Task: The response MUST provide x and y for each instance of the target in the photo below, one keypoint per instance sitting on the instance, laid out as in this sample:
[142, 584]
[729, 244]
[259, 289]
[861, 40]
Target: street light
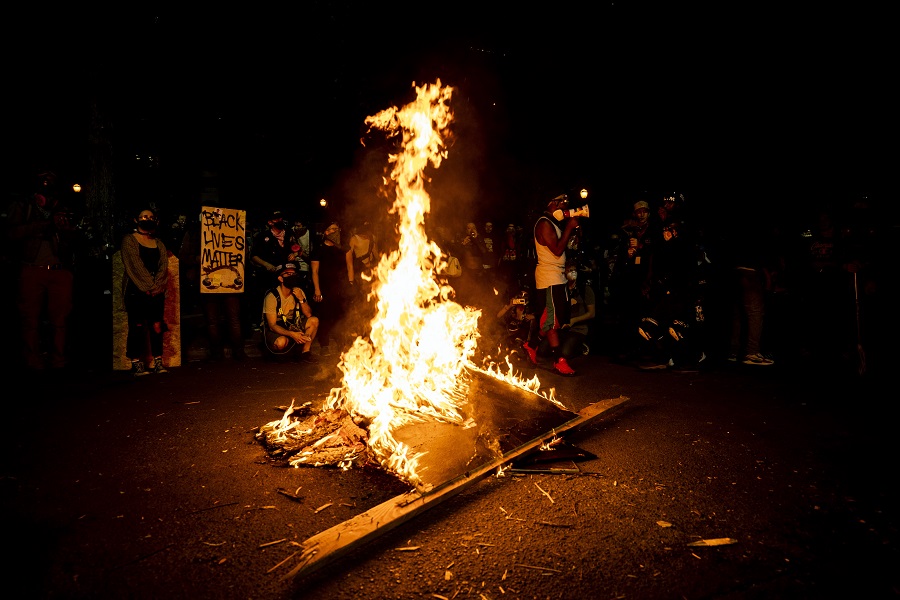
[76, 187]
[583, 193]
[323, 202]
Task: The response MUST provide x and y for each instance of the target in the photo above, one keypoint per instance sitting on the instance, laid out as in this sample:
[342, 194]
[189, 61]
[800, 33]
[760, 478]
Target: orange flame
[414, 366]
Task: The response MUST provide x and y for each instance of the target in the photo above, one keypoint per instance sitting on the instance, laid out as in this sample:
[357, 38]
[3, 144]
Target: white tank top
[550, 269]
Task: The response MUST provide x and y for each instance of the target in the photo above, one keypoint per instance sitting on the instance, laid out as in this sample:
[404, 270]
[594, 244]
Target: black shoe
[138, 369]
[308, 357]
[239, 355]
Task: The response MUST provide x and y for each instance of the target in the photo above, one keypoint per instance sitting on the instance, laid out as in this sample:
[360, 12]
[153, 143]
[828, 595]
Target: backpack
[299, 322]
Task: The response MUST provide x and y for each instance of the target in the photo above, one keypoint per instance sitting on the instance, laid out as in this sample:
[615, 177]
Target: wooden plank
[336, 542]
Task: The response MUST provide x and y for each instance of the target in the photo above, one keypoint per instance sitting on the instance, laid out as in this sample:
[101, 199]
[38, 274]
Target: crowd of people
[666, 287]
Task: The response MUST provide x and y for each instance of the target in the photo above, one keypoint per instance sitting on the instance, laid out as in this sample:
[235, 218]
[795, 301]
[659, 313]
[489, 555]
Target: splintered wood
[315, 439]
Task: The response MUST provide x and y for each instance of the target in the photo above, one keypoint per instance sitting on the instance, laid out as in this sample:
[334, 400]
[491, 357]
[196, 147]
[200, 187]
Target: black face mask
[301, 231]
[278, 226]
[291, 281]
[148, 225]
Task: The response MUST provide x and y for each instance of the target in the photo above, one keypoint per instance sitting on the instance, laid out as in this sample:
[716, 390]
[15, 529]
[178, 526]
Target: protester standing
[331, 283]
[146, 262]
[43, 237]
[551, 295]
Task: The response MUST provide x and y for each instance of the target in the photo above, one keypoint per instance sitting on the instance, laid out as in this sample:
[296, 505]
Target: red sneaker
[530, 353]
[562, 367]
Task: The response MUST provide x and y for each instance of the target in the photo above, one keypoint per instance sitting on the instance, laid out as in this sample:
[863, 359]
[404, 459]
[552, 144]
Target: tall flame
[415, 366]
[412, 367]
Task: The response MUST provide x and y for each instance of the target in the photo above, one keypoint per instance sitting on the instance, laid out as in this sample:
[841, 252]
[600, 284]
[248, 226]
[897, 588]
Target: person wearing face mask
[288, 321]
[271, 247]
[332, 283]
[146, 263]
[301, 248]
[582, 310]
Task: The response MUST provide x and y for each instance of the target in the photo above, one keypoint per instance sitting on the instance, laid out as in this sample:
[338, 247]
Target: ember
[417, 364]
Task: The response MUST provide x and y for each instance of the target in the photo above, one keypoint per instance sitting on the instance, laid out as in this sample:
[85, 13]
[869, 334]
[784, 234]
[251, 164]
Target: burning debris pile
[416, 364]
[307, 438]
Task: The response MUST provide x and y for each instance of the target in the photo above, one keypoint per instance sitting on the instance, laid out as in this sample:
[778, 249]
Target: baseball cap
[641, 204]
[288, 266]
[560, 198]
[275, 215]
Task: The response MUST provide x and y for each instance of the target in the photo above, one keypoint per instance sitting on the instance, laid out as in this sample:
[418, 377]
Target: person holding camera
[513, 321]
[43, 238]
[288, 320]
[474, 254]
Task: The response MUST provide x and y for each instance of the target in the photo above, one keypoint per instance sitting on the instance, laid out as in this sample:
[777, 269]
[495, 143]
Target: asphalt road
[158, 488]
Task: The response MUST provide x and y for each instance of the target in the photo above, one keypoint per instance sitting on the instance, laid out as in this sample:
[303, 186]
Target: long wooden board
[336, 542]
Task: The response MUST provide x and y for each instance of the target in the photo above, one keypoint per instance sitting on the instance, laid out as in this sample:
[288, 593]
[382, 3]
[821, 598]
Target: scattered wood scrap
[341, 539]
[714, 542]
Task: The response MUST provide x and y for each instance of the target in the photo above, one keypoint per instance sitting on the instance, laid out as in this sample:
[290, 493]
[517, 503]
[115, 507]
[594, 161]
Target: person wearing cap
[551, 297]
[269, 248]
[630, 280]
[288, 321]
[272, 247]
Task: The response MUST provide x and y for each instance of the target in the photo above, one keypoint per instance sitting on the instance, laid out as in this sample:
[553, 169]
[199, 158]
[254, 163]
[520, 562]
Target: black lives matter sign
[223, 250]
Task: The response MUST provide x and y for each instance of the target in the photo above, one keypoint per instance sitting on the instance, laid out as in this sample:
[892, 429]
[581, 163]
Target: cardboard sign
[223, 250]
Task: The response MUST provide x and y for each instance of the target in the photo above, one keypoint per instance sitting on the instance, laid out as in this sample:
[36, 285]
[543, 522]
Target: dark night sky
[746, 104]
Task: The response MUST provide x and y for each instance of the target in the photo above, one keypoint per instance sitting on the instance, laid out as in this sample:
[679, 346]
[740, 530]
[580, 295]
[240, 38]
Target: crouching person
[289, 326]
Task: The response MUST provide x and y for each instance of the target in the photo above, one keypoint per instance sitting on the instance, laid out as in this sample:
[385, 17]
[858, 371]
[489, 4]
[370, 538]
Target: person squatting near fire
[146, 263]
[582, 310]
[288, 321]
[551, 297]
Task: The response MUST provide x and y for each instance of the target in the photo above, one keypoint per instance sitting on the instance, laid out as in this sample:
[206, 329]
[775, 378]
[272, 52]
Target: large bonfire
[417, 362]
